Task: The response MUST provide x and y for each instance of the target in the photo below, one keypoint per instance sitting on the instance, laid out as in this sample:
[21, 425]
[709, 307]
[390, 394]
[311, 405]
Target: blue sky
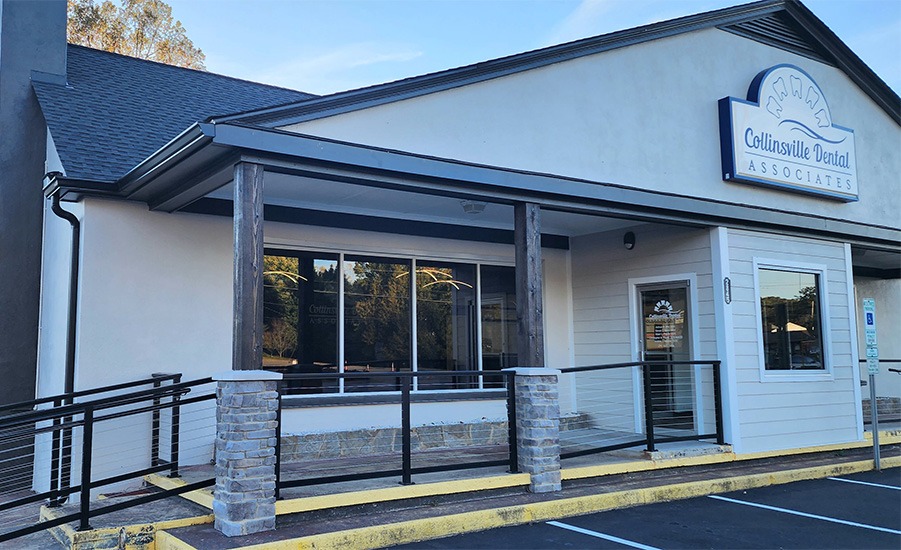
[324, 46]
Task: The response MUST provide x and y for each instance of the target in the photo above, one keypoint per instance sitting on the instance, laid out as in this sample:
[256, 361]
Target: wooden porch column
[530, 322]
[247, 333]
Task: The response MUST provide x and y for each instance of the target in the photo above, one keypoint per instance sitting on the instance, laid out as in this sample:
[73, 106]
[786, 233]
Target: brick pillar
[538, 427]
[244, 498]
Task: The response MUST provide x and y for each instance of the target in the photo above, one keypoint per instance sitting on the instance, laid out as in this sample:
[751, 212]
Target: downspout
[73, 290]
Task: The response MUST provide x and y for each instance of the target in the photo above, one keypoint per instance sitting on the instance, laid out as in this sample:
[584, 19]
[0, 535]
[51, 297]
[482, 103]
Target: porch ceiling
[345, 198]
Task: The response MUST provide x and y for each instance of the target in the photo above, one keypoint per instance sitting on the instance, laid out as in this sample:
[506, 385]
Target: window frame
[821, 271]
[344, 396]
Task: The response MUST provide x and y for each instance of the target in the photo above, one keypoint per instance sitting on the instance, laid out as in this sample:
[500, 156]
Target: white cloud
[336, 70]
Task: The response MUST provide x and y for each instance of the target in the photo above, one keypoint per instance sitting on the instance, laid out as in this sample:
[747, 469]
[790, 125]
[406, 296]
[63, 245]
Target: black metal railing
[84, 410]
[401, 393]
[668, 412]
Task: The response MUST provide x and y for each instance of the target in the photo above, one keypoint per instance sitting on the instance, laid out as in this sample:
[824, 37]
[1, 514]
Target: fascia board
[342, 161]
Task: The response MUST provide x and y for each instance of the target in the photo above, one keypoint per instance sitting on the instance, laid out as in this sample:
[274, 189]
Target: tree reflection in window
[445, 323]
[300, 311]
[790, 311]
[376, 320]
[301, 315]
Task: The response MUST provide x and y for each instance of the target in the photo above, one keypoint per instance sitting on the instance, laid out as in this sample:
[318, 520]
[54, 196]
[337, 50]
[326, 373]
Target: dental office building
[723, 186]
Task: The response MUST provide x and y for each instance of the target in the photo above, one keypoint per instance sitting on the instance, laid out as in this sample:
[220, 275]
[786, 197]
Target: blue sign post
[869, 330]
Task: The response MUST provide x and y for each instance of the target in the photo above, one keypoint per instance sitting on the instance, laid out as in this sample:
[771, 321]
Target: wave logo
[795, 99]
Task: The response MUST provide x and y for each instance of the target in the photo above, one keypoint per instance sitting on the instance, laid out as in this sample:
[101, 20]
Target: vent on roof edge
[780, 30]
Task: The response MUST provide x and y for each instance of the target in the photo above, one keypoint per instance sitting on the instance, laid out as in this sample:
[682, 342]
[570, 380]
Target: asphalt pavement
[848, 512]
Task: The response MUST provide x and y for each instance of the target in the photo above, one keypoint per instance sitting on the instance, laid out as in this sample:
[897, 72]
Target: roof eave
[847, 61]
[183, 145]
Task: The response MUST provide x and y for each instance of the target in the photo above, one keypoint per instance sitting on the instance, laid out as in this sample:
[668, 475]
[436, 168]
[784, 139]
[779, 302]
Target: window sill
[389, 398]
[797, 376]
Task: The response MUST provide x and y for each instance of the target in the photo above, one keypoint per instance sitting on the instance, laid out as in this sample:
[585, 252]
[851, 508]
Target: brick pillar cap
[246, 376]
[533, 371]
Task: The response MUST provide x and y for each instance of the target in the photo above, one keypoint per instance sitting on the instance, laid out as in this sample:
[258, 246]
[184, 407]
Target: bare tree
[139, 28]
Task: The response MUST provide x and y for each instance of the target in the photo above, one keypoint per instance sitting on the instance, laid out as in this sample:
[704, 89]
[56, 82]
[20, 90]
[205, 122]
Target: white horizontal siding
[774, 413]
[601, 269]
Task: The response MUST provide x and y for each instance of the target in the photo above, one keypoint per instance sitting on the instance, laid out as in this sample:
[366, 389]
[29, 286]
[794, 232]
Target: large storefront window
[376, 321]
[499, 327]
[300, 312]
[445, 323]
[303, 314]
[791, 323]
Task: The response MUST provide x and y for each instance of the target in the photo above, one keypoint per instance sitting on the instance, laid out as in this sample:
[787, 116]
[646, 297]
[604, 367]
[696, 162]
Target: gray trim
[286, 152]
[824, 39]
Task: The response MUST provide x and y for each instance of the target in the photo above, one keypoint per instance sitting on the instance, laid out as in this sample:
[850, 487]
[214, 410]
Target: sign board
[664, 328]
[869, 330]
[783, 136]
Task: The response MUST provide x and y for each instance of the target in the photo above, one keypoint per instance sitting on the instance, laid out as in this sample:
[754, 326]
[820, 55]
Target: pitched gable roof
[114, 111]
[785, 24]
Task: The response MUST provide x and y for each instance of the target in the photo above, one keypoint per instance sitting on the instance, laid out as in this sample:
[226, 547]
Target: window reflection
[498, 289]
[301, 316]
[300, 301]
[376, 321]
[445, 329]
[789, 306]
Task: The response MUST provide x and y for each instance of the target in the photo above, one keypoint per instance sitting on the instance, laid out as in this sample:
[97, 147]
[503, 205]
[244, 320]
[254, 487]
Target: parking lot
[855, 511]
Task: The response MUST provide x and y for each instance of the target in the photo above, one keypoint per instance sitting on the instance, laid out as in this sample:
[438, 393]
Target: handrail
[85, 414]
[650, 438]
[638, 364]
[93, 391]
[105, 403]
[405, 388]
[389, 374]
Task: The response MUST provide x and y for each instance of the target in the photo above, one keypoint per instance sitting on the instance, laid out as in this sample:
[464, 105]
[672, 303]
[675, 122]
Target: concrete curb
[379, 536]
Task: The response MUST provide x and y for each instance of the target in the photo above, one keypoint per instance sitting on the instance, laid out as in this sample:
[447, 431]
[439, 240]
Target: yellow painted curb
[308, 504]
[203, 497]
[165, 541]
[429, 528]
[886, 437]
[139, 536]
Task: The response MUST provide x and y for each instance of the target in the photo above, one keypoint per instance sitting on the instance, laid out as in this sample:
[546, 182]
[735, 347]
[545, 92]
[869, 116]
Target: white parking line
[865, 483]
[806, 515]
[595, 534]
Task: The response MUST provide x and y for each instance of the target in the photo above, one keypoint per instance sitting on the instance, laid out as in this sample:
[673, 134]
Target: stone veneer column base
[538, 427]
[244, 497]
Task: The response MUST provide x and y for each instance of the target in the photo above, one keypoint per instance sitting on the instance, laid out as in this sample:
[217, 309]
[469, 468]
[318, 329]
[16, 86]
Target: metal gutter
[190, 140]
[73, 291]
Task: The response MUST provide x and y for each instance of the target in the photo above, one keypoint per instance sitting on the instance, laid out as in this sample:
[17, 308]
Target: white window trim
[823, 293]
[636, 334]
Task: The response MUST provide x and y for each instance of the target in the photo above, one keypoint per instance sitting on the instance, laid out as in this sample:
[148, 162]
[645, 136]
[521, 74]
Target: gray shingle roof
[117, 110]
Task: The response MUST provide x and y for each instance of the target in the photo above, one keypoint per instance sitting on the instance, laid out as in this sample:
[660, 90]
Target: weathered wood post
[537, 399]
[247, 331]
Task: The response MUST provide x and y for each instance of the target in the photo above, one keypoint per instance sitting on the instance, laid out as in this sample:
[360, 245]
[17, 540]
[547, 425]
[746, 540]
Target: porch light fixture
[473, 207]
[629, 240]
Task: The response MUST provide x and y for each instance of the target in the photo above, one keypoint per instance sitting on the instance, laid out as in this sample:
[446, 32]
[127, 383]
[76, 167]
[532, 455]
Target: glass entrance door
[666, 336]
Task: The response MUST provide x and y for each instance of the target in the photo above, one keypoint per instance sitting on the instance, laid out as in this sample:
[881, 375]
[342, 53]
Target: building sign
[663, 329]
[783, 136]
